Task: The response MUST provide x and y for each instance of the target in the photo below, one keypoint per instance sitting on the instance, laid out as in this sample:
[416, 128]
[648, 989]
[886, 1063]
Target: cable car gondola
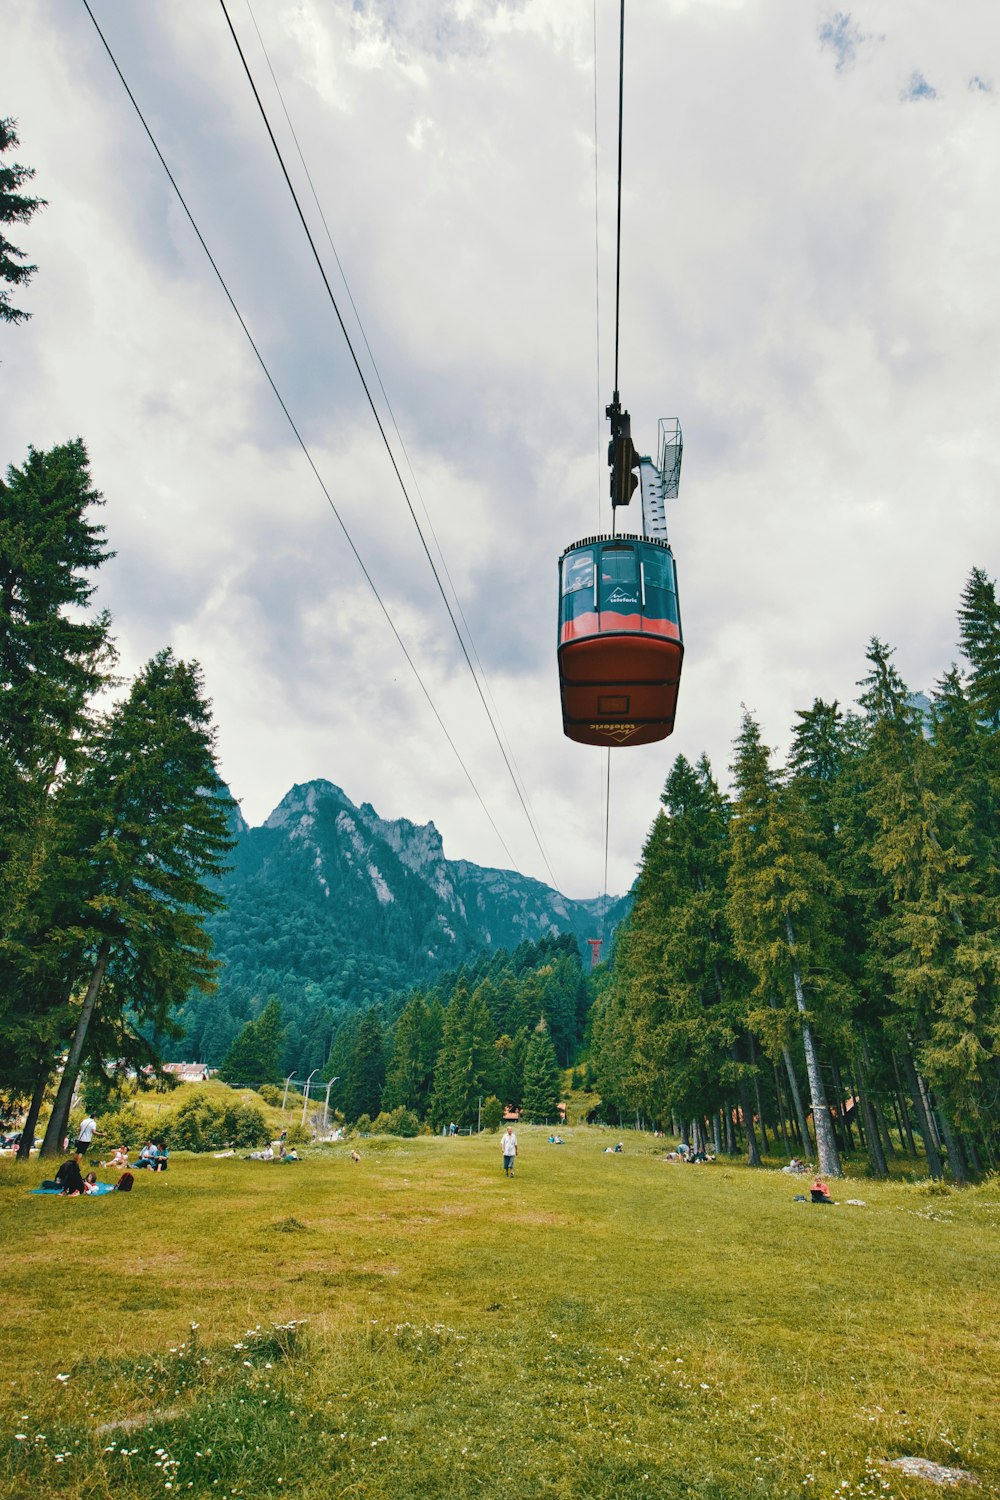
[620, 643]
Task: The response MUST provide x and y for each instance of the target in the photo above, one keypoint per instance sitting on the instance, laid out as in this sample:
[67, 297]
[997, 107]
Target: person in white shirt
[85, 1135]
[508, 1145]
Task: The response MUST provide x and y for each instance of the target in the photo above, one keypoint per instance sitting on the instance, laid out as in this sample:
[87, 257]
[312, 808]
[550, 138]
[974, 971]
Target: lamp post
[284, 1097]
[326, 1101]
[305, 1101]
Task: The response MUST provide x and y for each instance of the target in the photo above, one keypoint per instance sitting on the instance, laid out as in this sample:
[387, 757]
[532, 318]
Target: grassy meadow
[602, 1327]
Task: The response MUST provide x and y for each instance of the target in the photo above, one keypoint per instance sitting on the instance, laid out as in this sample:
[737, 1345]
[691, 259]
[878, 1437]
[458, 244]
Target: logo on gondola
[621, 596]
[617, 732]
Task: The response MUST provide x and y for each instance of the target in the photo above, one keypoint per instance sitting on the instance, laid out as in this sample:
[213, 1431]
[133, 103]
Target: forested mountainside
[331, 909]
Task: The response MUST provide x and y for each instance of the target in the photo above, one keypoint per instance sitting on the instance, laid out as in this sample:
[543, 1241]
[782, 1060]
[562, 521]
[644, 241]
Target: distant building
[186, 1072]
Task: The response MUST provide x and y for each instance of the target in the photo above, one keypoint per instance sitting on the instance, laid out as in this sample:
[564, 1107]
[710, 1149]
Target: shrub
[202, 1123]
[121, 1127]
[492, 1116]
[363, 1125]
[298, 1135]
[400, 1121]
[272, 1094]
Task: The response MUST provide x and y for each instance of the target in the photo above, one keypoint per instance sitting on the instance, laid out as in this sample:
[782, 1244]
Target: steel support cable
[618, 243]
[392, 415]
[597, 283]
[607, 827]
[299, 438]
[382, 432]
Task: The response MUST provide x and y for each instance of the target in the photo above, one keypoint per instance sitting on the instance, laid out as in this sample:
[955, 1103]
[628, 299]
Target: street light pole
[284, 1097]
[326, 1101]
[305, 1101]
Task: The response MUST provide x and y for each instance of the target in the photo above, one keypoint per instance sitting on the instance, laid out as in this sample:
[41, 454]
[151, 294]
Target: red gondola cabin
[620, 643]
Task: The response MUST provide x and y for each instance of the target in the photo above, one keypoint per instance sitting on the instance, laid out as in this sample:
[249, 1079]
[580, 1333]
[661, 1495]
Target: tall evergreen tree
[366, 1078]
[780, 908]
[979, 624]
[154, 821]
[15, 207]
[542, 1078]
[937, 943]
[254, 1058]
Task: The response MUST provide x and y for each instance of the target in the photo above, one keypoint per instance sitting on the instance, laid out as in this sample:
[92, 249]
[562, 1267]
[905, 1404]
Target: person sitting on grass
[161, 1160]
[119, 1160]
[147, 1155]
[819, 1191]
[70, 1179]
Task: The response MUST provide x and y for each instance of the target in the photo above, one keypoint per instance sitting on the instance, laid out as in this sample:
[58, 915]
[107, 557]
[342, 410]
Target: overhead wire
[392, 415]
[299, 438]
[382, 431]
[618, 283]
[597, 282]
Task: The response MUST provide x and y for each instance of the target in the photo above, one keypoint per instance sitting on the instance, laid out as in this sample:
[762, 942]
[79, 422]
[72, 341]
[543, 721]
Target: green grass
[414, 1325]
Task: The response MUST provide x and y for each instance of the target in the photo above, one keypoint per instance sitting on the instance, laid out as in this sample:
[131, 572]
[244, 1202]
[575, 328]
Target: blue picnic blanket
[98, 1192]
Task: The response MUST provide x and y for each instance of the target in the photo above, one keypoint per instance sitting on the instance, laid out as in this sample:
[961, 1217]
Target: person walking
[508, 1145]
[85, 1136]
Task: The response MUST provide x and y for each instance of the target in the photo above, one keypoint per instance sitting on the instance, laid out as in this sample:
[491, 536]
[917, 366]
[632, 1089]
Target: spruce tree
[542, 1078]
[255, 1056]
[780, 909]
[979, 623]
[15, 207]
[366, 1076]
[936, 943]
[153, 822]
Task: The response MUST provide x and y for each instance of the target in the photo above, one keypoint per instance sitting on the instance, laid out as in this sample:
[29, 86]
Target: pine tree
[780, 908]
[366, 1075]
[152, 821]
[542, 1078]
[936, 943]
[15, 207]
[979, 623]
[254, 1058]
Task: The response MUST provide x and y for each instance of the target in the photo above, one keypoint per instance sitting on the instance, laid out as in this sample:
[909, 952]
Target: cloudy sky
[810, 273]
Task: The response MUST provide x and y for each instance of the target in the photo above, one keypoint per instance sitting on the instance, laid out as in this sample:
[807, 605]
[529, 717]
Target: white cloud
[808, 275]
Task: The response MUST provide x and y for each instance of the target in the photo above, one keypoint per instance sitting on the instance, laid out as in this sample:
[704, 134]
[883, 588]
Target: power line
[597, 281]
[382, 432]
[618, 246]
[301, 441]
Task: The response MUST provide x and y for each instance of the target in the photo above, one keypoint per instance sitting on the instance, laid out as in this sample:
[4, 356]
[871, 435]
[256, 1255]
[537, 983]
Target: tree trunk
[716, 1134]
[59, 1118]
[928, 1110]
[34, 1110]
[903, 1115]
[781, 1110]
[730, 1137]
[923, 1122]
[953, 1145]
[753, 1152]
[793, 1084]
[873, 1139]
[756, 1094]
[826, 1145]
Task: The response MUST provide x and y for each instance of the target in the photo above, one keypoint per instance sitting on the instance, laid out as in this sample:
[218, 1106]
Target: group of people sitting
[683, 1152]
[70, 1182]
[154, 1156]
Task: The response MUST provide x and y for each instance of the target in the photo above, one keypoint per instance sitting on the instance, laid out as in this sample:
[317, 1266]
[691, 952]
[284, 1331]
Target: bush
[298, 1135]
[122, 1127]
[400, 1121]
[363, 1125]
[492, 1115]
[272, 1094]
[202, 1123]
